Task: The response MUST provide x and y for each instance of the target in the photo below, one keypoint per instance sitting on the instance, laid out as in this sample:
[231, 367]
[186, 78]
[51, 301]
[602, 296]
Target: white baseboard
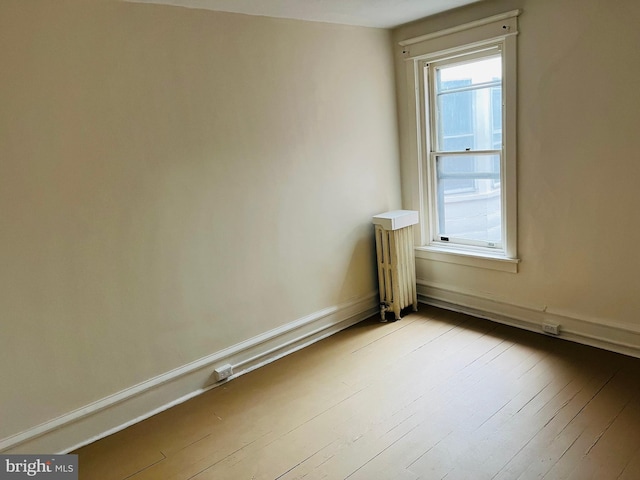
[127, 407]
[599, 333]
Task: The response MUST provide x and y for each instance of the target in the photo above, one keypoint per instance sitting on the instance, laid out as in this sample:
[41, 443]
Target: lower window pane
[469, 197]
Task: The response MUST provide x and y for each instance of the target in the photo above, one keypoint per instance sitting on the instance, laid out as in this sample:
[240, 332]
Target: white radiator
[396, 261]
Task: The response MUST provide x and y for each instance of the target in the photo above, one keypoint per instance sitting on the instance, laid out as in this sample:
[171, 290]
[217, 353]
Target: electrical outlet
[223, 372]
[551, 328]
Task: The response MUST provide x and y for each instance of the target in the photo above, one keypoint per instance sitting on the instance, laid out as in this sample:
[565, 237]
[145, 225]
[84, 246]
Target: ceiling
[368, 13]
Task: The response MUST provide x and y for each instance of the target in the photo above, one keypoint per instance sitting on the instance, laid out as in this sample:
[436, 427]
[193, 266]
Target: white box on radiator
[396, 261]
[396, 219]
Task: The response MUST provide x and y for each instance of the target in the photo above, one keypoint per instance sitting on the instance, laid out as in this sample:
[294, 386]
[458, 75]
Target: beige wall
[578, 168]
[173, 182]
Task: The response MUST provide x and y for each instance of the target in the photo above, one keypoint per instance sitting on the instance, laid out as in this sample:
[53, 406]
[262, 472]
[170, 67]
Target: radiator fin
[396, 270]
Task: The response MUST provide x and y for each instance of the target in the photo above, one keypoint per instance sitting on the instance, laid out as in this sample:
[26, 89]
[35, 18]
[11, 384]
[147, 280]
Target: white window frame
[500, 30]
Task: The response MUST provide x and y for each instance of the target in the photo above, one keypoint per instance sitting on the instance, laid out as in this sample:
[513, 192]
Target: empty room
[197, 250]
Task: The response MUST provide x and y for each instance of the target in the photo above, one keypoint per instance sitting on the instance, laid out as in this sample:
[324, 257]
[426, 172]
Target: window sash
[444, 199]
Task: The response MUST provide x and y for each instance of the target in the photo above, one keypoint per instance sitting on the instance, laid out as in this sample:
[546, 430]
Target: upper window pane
[469, 105]
[472, 73]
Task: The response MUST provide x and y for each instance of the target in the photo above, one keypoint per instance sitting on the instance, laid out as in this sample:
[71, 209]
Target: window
[463, 80]
[464, 97]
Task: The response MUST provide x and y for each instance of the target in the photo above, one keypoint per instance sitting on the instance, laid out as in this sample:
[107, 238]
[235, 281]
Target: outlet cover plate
[551, 328]
[223, 372]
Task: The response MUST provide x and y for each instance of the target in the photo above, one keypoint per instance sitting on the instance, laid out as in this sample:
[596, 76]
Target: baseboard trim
[132, 405]
[594, 332]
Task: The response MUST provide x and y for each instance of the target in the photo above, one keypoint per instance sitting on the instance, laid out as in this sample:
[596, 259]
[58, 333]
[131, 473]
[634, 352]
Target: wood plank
[308, 437]
[608, 456]
[435, 395]
[393, 429]
[504, 444]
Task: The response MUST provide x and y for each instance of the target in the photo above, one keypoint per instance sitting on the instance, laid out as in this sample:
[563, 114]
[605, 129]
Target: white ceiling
[368, 13]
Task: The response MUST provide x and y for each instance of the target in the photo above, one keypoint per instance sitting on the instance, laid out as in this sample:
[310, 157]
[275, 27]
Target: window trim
[500, 29]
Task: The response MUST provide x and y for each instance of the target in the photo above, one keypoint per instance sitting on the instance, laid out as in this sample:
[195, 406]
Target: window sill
[468, 258]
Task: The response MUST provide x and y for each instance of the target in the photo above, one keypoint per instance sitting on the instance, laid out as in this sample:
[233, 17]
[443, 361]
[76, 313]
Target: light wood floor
[436, 395]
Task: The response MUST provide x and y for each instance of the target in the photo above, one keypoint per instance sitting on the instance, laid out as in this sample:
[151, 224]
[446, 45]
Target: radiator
[396, 261]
